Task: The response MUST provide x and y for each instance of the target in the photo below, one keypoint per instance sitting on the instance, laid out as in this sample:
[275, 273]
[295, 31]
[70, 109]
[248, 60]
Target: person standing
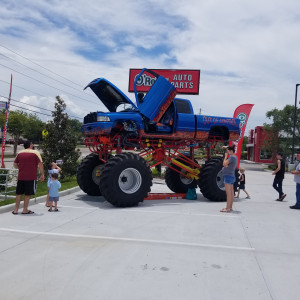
[52, 168]
[229, 166]
[279, 176]
[242, 184]
[27, 161]
[54, 187]
[297, 180]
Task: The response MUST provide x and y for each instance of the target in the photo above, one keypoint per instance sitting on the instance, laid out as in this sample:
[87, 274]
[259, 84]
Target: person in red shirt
[27, 161]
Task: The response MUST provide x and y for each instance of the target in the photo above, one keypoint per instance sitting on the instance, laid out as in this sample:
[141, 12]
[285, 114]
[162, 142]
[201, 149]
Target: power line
[81, 91]
[24, 89]
[40, 65]
[37, 112]
[31, 110]
[29, 104]
[35, 107]
[45, 83]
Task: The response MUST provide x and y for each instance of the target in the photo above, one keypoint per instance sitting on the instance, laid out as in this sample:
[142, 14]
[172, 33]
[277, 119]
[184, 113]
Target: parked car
[21, 141]
[7, 141]
[10, 141]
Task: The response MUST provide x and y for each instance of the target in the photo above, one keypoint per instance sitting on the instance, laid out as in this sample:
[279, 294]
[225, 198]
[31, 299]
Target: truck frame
[166, 132]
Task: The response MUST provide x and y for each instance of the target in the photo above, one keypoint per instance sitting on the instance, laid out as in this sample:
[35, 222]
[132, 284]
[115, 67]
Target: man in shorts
[27, 162]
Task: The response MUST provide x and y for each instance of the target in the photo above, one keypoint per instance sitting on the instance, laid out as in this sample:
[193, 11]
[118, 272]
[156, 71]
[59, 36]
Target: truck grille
[90, 118]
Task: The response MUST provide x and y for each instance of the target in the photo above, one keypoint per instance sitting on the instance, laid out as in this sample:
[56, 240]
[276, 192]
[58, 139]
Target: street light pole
[295, 117]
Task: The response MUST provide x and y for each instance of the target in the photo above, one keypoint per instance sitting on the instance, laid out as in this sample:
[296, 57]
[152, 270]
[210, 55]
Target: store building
[255, 151]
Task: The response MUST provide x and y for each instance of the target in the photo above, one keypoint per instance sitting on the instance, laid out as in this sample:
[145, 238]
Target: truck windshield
[182, 106]
[125, 107]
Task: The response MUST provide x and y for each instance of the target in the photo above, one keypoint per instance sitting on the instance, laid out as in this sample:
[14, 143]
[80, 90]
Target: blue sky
[247, 51]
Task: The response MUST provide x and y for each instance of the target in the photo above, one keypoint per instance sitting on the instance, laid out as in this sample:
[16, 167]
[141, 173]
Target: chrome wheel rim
[96, 174]
[220, 181]
[130, 180]
[185, 180]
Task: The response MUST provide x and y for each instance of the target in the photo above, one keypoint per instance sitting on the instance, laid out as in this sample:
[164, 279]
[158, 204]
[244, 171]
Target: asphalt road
[9, 150]
[162, 249]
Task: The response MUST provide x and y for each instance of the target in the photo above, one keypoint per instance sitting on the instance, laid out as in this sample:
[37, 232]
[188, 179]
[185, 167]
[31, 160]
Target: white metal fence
[8, 178]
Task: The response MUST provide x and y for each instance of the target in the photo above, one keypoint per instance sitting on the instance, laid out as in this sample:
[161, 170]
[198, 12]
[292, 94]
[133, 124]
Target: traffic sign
[3, 105]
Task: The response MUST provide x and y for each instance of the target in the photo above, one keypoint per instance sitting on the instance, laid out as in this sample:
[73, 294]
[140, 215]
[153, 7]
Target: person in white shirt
[297, 180]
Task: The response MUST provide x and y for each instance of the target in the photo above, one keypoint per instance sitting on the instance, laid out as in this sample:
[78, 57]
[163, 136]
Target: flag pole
[5, 124]
[242, 112]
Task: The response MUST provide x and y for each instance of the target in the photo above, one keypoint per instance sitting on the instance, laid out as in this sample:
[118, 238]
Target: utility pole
[295, 117]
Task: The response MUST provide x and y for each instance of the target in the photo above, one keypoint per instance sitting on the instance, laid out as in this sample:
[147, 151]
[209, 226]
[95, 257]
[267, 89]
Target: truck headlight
[103, 119]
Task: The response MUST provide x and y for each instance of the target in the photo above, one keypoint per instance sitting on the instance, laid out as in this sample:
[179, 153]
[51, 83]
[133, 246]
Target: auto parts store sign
[185, 81]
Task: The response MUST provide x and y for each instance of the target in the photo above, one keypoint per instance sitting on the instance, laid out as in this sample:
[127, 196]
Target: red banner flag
[242, 112]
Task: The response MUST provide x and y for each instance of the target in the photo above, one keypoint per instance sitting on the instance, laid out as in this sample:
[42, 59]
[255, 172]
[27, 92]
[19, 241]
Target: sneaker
[282, 197]
[295, 207]
[248, 197]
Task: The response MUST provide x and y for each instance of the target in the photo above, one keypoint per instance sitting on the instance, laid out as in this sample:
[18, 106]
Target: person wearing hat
[297, 180]
[279, 176]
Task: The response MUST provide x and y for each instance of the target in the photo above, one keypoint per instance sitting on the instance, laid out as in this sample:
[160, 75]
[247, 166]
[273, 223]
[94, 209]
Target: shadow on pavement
[100, 202]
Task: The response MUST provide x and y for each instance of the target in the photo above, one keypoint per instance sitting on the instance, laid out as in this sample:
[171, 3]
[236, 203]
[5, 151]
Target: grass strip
[42, 189]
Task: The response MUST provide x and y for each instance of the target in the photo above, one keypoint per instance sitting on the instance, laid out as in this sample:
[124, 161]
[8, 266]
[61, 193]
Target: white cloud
[247, 51]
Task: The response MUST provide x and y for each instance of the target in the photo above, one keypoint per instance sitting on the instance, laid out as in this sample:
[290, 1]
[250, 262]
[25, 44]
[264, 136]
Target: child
[242, 184]
[237, 182]
[52, 168]
[54, 186]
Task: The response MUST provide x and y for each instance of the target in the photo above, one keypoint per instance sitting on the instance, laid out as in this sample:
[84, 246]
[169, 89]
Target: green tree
[33, 128]
[245, 142]
[60, 142]
[281, 129]
[283, 120]
[76, 128]
[271, 140]
[21, 124]
[16, 124]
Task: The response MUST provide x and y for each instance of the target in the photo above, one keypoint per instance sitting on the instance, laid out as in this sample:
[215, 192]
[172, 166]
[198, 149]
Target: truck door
[186, 124]
[158, 98]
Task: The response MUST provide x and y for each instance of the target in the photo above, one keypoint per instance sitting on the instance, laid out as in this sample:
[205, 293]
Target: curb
[10, 207]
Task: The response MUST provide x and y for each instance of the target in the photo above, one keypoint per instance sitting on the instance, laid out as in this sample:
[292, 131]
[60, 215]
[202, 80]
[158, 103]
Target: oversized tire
[211, 180]
[177, 182]
[88, 174]
[215, 158]
[125, 180]
[237, 180]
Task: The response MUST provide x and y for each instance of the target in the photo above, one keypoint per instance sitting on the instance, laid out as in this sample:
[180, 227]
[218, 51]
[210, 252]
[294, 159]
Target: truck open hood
[153, 105]
[109, 94]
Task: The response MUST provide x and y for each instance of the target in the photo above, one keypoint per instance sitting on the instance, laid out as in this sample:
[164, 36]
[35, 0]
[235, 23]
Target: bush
[244, 155]
[272, 167]
[157, 174]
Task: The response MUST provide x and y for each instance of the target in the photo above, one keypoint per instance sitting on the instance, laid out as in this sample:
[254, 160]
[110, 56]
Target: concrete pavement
[162, 249]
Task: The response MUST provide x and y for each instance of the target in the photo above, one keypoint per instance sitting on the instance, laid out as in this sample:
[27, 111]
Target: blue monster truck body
[168, 119]
[161, 126]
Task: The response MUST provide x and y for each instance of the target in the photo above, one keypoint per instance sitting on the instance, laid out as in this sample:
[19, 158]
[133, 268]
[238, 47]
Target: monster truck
[162, 127]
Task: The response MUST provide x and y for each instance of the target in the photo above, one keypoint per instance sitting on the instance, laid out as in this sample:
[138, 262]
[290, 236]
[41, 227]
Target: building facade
[255, 151]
